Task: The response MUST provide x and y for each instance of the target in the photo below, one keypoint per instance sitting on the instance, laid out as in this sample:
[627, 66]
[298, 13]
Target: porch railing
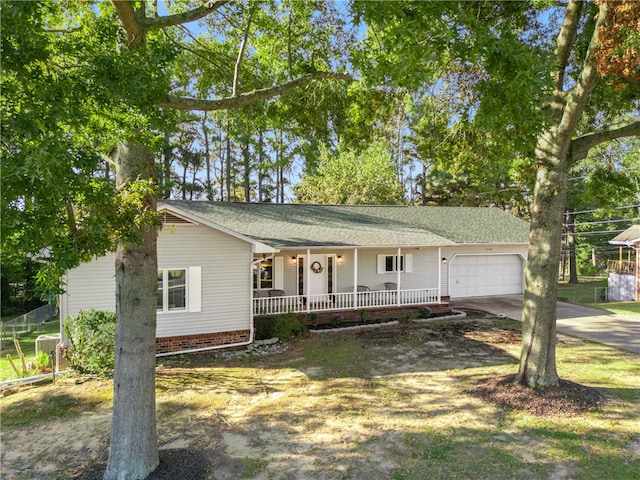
[621, 266]
[343, 301]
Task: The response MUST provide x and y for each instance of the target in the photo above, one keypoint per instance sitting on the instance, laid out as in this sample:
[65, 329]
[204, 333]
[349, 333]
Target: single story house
[223, 265]
[623, 275]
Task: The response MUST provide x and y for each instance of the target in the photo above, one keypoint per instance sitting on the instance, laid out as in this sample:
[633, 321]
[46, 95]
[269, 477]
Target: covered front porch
[340, 280]
[370, 299]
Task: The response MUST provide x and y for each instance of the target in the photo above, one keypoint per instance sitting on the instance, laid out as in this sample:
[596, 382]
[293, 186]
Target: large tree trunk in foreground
[538, 359]
[133, 451]
[554, 155]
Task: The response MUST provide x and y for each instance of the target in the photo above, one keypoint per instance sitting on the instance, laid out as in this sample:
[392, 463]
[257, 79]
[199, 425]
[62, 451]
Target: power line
[599, 210]
[601, 232]
[602, 221]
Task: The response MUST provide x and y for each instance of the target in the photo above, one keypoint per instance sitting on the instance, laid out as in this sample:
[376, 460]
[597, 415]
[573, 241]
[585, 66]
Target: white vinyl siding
[218, 282]
[90, 285]
[222, 264]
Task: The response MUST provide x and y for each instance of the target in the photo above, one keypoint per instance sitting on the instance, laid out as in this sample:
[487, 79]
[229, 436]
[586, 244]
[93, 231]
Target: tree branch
[580, 146]
[184, 17]
[129, 21]
[184, 103]
[243, 46]
[576, 99]
[63, 30]
[566, 39]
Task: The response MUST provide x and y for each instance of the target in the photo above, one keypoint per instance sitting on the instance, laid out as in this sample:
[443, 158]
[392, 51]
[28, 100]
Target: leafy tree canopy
[350, 177]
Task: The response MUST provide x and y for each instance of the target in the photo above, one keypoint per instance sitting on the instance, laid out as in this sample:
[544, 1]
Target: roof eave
[626, 243]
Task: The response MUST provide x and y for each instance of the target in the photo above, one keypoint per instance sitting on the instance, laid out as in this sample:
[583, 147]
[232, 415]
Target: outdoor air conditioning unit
[47, 343]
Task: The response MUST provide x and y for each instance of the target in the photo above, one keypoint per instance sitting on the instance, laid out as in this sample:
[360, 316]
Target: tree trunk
[247, 171]
[165, 170]
[259, 167]
[184, 176]
[228, 165]
[133, 450]
[221, 157]
[538, 359]
[553, 152]
[571, 245]
[207, 157]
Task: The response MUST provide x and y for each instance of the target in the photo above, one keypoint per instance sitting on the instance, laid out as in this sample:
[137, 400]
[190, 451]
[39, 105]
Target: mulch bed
[568, 399]
[183, 463]
[365, 323]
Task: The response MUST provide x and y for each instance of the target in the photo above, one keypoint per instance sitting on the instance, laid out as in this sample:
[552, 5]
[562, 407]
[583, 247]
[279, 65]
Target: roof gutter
[626, 243]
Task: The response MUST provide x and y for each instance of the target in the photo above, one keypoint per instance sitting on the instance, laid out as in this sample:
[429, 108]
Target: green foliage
[68, 96]
[600, 185]
[351, 177]
[285, 327]
[42, 361]
[92, 336]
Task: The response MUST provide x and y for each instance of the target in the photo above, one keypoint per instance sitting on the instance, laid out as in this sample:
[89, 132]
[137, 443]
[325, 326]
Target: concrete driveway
[622, 331]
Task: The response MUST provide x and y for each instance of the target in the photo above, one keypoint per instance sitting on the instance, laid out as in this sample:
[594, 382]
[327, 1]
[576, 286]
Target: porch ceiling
[300, 225]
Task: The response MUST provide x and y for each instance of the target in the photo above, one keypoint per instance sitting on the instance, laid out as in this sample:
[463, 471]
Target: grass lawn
[28, 345]
[389, 403]
[623, 308]
[589, 290]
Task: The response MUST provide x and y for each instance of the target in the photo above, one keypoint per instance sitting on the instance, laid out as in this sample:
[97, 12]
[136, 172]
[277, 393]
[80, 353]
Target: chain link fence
[26, 323]
[583, 294]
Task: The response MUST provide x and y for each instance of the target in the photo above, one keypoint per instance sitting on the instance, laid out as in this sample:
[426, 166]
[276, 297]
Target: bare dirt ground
[329, 406]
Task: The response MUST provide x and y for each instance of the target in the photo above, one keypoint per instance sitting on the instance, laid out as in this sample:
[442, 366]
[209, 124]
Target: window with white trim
[179, 289]
[263, 273]
[394, 263]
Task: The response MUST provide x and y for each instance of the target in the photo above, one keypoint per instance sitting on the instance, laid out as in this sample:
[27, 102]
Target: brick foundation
[391, 313]
[202, 340]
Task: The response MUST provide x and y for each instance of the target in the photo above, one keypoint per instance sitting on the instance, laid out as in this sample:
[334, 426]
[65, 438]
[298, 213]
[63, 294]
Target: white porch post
[307, 277]
[398, 273]
[439, 274]
[637, 251]
[355, 277]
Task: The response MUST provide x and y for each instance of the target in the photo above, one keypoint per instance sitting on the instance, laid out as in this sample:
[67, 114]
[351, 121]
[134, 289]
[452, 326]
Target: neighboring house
[222, 265]
[623, 275]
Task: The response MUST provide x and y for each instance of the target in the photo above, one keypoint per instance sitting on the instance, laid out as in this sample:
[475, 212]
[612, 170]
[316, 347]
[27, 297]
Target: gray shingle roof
[303, 225]
[630, 236]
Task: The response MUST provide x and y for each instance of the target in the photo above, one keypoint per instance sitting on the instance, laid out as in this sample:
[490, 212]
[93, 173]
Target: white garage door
[485, 275]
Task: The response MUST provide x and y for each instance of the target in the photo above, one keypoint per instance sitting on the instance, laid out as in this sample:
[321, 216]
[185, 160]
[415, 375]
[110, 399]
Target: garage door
[484, 275]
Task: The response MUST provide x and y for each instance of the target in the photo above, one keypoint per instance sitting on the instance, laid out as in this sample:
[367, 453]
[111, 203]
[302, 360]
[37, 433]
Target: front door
[317, 275]
[321, 274]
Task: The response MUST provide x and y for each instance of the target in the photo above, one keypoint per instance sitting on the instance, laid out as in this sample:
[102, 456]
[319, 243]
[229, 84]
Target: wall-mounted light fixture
[294, 260]
[339, 259]
[444, 261]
